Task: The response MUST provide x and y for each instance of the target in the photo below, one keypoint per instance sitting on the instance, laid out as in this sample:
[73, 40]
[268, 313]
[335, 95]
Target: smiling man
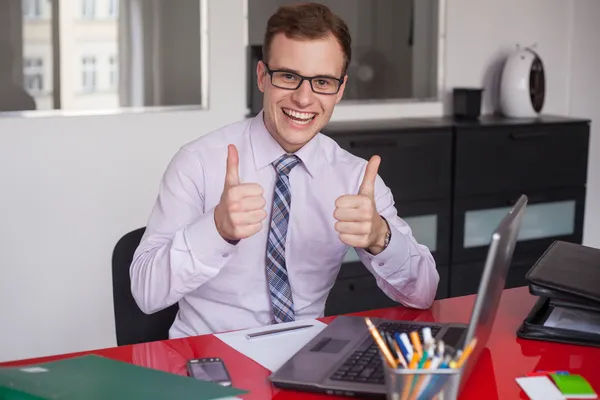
[253, 220]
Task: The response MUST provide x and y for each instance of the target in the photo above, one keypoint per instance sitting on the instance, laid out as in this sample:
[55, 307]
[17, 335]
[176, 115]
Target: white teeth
[305, 117]
[303, 122]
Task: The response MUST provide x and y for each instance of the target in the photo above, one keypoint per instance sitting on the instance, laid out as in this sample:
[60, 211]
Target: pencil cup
[421, 384]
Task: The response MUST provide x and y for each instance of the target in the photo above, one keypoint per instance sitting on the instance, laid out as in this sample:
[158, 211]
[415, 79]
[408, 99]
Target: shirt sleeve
[405, 270]
[181, 247]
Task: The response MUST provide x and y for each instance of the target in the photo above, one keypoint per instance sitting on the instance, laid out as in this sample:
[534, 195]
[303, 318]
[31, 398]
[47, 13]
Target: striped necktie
[279, 286]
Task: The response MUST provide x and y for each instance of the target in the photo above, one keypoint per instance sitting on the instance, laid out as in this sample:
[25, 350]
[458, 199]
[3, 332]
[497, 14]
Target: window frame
[349, 110]
[224, 42]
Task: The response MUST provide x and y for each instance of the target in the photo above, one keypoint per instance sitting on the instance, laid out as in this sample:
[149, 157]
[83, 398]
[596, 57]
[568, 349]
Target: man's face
[294, 117]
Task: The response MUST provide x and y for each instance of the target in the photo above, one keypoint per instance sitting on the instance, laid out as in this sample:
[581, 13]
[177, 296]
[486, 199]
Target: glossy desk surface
[505, 358]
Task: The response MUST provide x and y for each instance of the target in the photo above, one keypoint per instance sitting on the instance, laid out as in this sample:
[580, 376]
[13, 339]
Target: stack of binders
[567, 280]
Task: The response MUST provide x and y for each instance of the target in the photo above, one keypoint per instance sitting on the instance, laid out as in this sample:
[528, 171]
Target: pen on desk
[427, 336]
[446, 361]
[387, 338]
[381, 343]
[414, 361]
[441, 348]
[466, 352]
[280, 330]
[423, 359]
[416, 343]
[428, 353]
[405, 345]
[398, 352]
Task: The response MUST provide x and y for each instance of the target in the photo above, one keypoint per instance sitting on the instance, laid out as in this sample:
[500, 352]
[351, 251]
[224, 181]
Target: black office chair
[132, 325]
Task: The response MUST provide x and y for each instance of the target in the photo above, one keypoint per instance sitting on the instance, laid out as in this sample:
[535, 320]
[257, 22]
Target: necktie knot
[284, 164]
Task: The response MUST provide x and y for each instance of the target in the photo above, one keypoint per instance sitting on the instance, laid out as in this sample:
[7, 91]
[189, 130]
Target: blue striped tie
[279, 286]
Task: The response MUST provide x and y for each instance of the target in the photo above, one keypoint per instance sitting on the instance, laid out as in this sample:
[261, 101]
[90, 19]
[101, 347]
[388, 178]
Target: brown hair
[308, 21]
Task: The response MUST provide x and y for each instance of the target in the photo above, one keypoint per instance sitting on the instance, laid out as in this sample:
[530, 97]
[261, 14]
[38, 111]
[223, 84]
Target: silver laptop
[343, 359]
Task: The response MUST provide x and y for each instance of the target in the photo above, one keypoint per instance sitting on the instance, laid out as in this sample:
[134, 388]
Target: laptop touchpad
[329, 345]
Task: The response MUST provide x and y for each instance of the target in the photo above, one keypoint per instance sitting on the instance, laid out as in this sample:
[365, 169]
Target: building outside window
[32, 8]
[113, 8]
[88, 9]
[33, 75]
[113, 72]
[88, 73]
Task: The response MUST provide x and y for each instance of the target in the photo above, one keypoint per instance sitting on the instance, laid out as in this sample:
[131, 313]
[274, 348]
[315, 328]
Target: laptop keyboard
[364, 365]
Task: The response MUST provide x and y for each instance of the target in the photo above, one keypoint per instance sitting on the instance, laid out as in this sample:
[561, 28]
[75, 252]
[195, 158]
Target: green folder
[93, 377]
[574, 386]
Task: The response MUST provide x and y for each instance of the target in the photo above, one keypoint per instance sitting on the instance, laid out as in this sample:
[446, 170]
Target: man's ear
[340, 92]
[261, 76]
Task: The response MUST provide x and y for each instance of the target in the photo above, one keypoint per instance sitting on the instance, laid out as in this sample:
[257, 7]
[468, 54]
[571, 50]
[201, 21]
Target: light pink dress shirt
[220, 286]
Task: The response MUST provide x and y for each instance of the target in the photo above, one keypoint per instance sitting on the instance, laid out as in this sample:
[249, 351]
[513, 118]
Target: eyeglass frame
[305, 78]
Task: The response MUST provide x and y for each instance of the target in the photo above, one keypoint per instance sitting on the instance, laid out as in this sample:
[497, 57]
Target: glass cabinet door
[542, 220]
[424, 229]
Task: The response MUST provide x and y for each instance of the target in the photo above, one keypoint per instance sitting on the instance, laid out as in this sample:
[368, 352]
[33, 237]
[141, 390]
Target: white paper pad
[540, 388]
[272, 351]
[574, 319]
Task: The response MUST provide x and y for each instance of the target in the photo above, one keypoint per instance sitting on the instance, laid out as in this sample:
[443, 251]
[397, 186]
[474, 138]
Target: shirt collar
[266, 149]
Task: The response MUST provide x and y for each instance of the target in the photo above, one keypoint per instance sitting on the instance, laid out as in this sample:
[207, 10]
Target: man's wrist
[383, 239]
[218, 226]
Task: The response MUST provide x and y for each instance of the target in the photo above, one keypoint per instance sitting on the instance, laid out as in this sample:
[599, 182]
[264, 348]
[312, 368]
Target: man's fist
[358, 222]
[240, 211]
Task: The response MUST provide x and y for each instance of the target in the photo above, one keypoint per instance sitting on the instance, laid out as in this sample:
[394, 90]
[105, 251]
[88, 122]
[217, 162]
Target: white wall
[71, 187]
[481, 33]
[584, 101]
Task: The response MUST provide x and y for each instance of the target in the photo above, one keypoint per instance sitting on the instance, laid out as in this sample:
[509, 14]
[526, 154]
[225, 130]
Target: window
[113, 8]
[108, 54]
[88, 73]
[32, 8]
[394, 45]
[113, 72]
[88, 9]
[33, 74]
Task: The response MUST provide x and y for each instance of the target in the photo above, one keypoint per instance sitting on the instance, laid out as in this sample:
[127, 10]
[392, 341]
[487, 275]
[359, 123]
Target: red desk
[505, 358]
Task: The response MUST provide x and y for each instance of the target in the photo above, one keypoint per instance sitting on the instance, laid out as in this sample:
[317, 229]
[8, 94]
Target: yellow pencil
[379, 340]
[466, 352]
[416, 342]
[414, 361]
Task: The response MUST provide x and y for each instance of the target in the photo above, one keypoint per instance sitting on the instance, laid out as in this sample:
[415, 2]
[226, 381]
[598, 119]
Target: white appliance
[522, 85]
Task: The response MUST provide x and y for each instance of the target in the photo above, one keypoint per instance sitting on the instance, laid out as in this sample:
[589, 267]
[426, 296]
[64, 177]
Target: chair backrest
[132, 325]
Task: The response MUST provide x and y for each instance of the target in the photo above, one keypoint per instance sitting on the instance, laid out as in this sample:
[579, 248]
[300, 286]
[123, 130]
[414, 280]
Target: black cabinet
[550, 215]
[415, 160]
[499, 157]
[496, 160]
[453, 181]
[403, 153]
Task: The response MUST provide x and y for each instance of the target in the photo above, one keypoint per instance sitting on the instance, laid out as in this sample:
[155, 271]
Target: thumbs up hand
[358, 222]
[240, 211]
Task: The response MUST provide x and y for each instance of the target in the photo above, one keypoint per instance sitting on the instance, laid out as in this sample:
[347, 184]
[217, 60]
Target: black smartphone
[211, 369]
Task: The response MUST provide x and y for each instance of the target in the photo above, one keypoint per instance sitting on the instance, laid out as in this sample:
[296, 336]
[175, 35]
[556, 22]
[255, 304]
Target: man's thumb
[232, 176]
[367, 187]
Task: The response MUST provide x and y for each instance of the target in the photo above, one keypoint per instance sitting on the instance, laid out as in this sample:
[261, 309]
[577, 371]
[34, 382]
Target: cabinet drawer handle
[373, 143]
[528, 135]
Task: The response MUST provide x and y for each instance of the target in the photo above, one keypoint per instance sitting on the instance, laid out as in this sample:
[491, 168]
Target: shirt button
[225, 255]
[381, 264]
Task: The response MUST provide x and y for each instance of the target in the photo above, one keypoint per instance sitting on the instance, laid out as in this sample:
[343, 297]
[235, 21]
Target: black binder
[567, 280]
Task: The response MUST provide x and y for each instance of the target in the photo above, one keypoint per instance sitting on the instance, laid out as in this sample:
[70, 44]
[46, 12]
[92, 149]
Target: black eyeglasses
[288, 80]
